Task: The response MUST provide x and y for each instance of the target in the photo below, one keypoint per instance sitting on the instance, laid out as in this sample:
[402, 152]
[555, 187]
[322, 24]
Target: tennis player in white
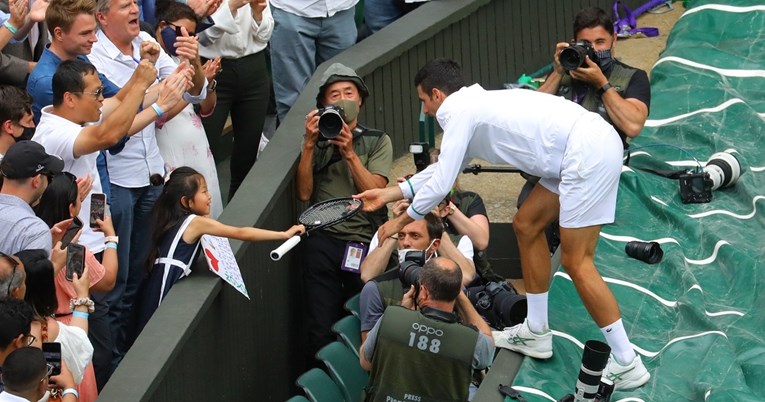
[578, 156]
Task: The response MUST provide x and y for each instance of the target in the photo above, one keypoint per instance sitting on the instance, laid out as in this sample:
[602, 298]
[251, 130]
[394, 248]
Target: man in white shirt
[307, 33]
[578, 156]
[136, 173]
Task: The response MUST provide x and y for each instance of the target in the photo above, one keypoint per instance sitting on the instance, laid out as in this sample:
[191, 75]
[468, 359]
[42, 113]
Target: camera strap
[439, 315]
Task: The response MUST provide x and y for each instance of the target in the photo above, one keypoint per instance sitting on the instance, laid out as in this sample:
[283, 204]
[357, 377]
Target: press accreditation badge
[354, 255]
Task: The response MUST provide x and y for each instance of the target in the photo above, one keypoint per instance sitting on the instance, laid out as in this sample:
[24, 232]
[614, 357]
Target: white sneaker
[627, 376]
[520, 339]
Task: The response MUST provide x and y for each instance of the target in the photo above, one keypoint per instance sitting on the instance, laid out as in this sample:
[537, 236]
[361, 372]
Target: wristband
[157, 109]
[10, 27]
[111, 245]
[80, 314]
[70, 391]
[111, 239]
[604, 88]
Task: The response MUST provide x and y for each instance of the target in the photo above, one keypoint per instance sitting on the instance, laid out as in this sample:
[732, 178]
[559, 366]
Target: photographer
[384, 289]
[422, 349]
[619, 93]
[355, 158]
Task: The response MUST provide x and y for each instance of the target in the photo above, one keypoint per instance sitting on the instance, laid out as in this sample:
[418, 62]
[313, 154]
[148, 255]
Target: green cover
[697, 318]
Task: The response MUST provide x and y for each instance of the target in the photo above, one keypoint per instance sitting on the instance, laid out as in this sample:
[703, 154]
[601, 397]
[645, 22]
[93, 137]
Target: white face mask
[403, 251]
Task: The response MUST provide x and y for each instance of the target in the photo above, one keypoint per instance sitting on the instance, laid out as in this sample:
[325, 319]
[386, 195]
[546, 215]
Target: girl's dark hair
[169, 211]
[41, 288]
[171, 11]
[60, 194]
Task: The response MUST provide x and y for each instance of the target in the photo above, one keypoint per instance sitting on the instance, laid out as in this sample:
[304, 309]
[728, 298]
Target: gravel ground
[499, 190]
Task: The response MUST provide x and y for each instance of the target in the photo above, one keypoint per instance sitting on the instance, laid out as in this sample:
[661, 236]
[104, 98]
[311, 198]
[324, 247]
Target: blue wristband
[10, 27]
[157, 109]
[70, 391]
[111, 245]
[80, 314]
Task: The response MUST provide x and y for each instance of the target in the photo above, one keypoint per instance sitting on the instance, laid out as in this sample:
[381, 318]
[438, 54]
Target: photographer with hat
[355, 158]
[427, 348]
[26, 170]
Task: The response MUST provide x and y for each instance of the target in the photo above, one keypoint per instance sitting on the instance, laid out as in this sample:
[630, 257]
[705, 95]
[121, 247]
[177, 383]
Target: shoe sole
[624, 385]
[526, 352]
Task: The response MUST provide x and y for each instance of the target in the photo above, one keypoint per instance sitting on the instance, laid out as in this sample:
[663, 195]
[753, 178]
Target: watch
[604, 88]
[212, 86]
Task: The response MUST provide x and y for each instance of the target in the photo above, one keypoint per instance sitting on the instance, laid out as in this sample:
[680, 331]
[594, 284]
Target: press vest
[390, 287]
[619, 78]
[421, 356]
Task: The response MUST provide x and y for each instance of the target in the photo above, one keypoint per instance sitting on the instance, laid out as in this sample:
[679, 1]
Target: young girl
[180, 219]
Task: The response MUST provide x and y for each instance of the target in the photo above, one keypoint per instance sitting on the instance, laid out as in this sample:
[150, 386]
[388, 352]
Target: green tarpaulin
[697, 317]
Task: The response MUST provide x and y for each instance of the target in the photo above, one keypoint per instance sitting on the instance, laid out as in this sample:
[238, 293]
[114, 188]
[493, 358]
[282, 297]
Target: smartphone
[52, 353]
[97, 206]
[71, 232]
[75, 261]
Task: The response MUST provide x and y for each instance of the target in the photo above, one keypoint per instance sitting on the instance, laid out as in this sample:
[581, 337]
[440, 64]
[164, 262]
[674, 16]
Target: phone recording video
[52, 353]
[75, 261]
[71, 231]
[97, 207]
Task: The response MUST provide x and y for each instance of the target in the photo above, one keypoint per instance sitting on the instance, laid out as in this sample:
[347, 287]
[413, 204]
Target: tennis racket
[320, 215]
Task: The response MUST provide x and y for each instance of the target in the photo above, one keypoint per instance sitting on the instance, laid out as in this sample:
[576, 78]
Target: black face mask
[28, 133]
[605, 60]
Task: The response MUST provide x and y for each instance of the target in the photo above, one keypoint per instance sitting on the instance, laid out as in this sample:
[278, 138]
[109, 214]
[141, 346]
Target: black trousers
[100, 336]
[327, 287]
[244, 89]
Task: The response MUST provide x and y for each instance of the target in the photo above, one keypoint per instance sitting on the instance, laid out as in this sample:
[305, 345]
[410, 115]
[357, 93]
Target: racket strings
[329, 211]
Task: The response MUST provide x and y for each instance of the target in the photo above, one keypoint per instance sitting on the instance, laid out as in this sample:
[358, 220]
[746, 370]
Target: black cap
[26, 159]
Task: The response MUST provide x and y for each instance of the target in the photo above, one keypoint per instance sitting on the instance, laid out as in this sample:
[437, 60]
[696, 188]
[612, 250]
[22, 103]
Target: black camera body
[695, 188]
[574, 56]
[409, 270]
[330, 121]
[498, 303]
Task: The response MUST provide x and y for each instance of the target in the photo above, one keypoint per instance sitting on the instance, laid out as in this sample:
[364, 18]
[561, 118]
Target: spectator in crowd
[27, 377]
[61, 201]
[181, 218]
[379, 13]
[307, 33]
[579, 185]
[24, 23]
[384, 289]
[436, 364]
[357, 158]
[136, 173]
[15, 327]
[26, 170]
[182, 140]
[617, 92]
[15, 117]
[76, 349]
[239, 37]
[12, 277]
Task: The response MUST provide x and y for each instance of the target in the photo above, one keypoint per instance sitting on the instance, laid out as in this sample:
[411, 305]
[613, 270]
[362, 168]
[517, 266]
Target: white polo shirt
[132, 167]
[57, 135]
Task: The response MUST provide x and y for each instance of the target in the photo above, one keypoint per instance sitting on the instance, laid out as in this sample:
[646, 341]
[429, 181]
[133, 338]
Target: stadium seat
[349, 330]
[319, 387]
[344, 367]
[352, 305]
[298, 398]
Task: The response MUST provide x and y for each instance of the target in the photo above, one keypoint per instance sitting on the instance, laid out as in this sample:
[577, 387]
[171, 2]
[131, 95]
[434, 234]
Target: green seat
[348, 329]
[344, 367]
[298, 398]
[353, 306]
[319, 387]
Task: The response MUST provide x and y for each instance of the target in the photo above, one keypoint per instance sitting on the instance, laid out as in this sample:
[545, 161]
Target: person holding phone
[182, 140]
[28, 377]
[76, 349]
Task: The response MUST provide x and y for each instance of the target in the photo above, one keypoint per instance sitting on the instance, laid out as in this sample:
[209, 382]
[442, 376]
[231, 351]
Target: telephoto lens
[723, 169]
[330, 121]
[594, 360]
[649, 252]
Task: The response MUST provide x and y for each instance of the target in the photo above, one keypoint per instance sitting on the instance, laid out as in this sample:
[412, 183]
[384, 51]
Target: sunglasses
[14, 264]
[97, 94]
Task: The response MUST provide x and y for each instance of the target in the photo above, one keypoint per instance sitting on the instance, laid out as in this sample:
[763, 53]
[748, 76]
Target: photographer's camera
[331, 121]
[574, 56]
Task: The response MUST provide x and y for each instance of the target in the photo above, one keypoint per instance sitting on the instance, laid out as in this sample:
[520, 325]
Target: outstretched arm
[203, 225]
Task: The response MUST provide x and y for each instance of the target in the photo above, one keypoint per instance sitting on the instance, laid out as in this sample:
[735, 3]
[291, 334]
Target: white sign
[220, 259]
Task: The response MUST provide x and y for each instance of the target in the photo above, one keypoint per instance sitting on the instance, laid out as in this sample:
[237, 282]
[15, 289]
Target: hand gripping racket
[320, 215]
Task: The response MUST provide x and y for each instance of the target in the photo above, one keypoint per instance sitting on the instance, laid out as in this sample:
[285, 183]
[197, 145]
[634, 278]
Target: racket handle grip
[279, 252]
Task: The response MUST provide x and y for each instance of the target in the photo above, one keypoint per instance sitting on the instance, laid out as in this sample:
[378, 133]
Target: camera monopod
[590, 386]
